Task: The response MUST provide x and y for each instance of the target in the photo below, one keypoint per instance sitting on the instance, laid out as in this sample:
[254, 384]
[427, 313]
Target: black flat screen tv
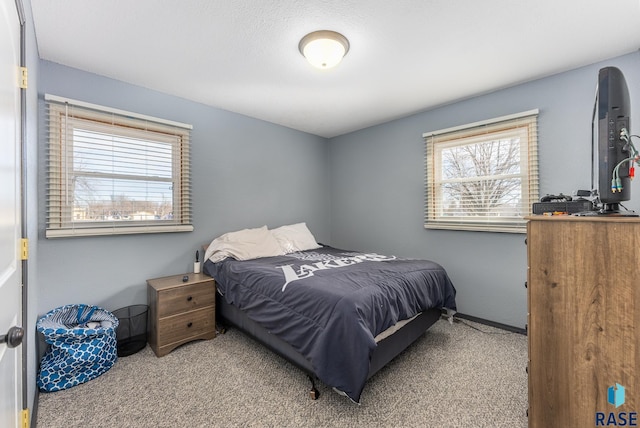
[613, 120]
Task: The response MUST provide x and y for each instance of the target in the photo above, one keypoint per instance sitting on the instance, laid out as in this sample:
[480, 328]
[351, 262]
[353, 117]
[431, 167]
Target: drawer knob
[189, 299]
[190, 324]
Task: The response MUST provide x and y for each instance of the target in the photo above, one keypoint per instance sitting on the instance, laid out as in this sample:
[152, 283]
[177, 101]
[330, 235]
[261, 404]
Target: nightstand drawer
[181, 299]
[186, 327]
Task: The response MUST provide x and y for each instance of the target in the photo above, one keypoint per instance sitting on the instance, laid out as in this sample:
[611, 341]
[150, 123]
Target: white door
[10, 262]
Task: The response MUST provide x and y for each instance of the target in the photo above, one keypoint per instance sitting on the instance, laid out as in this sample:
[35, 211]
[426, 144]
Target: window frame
[132, 131]
[477, 133]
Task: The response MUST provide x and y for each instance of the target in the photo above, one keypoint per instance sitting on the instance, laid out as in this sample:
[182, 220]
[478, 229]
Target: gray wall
[377, 185]
[245, 173]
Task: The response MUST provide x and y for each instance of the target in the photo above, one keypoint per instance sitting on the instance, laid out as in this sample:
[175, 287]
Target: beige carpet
[453, 376]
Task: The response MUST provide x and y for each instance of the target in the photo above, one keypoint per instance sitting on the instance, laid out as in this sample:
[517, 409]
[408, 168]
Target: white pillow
[244, 244]
[295, 237]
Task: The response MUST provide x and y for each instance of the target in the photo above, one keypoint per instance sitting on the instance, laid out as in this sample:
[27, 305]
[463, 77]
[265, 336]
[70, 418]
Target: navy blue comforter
[329, 304]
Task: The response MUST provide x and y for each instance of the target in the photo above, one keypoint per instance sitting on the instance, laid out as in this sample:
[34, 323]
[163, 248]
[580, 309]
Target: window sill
[107, 231]
[474, 227]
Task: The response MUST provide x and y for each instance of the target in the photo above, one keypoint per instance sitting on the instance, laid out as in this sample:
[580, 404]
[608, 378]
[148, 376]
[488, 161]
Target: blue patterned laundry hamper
[82, 343]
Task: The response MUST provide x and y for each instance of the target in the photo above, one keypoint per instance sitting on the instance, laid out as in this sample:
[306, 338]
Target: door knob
[13, 337]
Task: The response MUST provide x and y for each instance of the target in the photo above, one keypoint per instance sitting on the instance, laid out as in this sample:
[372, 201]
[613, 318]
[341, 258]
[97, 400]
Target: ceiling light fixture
[324, 49]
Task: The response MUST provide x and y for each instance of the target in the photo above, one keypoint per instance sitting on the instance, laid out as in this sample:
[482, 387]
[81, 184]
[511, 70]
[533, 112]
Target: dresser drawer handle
[189, 299]
[189, 325]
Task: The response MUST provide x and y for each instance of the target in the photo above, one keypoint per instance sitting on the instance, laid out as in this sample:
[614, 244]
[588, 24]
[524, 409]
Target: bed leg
[220, 328]
[314, 394]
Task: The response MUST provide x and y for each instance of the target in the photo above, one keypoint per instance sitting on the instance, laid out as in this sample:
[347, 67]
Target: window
[114, 172]
[482, 176]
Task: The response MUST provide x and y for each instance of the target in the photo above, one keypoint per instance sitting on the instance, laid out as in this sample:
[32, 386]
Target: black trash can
[131, 334]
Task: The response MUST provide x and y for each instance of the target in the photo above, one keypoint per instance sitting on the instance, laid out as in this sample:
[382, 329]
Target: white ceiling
[406, 56]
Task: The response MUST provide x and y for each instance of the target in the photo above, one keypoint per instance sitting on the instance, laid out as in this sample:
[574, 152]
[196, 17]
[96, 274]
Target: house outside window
[482, 176]
[114, 172]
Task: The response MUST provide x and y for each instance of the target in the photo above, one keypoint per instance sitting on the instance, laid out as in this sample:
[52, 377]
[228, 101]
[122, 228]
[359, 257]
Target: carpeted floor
[453, 376]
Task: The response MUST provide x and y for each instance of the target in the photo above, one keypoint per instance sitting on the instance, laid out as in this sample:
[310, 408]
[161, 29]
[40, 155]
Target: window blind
[482, 176]
[115, 172]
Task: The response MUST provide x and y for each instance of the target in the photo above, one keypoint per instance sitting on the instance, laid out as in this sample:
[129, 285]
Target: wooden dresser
[584, 315]
[180, 311]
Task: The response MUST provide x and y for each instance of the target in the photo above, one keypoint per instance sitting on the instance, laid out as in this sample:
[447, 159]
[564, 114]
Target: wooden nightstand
[180, 311]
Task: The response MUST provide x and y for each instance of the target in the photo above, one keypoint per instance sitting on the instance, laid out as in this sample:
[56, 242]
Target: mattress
[330, 304]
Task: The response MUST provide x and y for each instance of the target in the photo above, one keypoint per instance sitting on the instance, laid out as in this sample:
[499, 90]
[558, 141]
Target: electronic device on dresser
[615, 151]
[561, 204]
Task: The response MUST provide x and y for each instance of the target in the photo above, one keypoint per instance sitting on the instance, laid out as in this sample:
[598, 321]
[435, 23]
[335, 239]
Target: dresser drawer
[186, 327]
[182, 299]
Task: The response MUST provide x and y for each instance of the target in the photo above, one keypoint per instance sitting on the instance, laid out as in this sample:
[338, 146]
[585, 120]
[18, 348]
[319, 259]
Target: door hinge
[24, 249]
[24, 78]
[24, 418]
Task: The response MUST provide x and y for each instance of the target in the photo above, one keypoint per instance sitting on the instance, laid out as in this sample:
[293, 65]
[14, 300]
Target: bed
[339, 315]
